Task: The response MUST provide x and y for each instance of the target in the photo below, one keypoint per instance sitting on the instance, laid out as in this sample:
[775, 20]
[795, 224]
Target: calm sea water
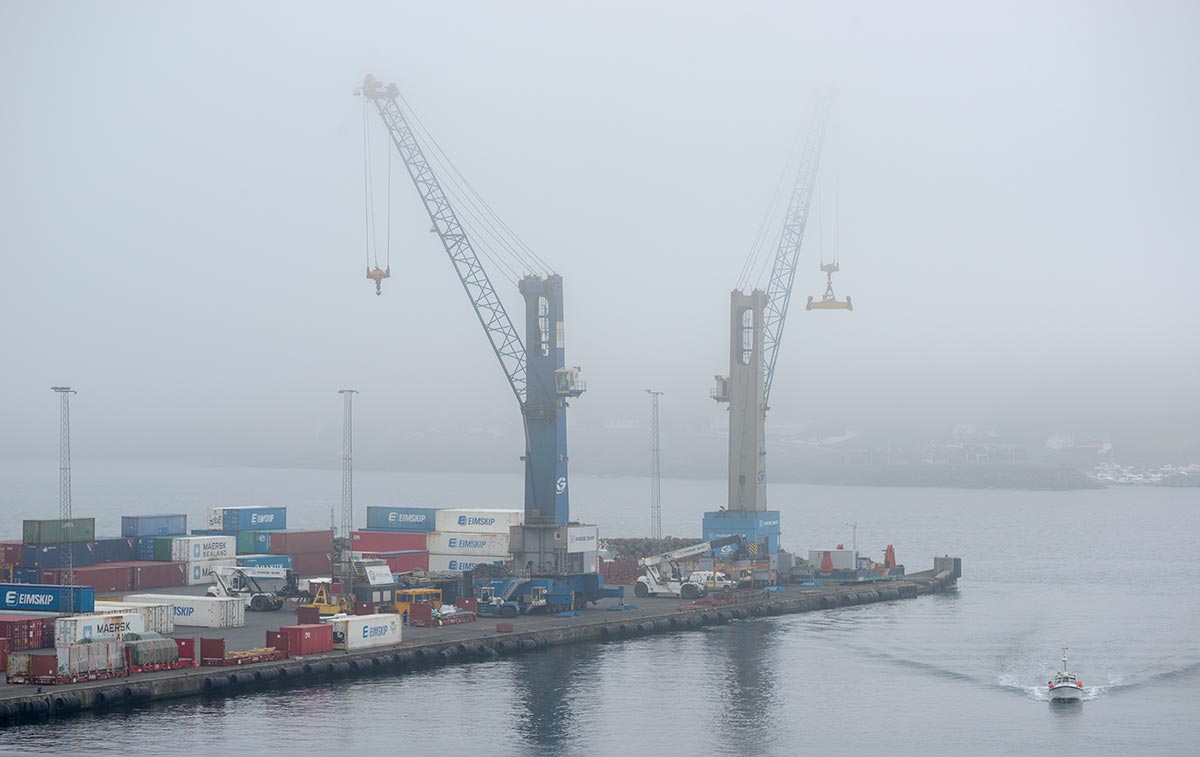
[1112, 573]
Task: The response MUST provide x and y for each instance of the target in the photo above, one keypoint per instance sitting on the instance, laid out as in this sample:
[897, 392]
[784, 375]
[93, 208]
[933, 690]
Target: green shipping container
[152, 651]
[245, 542]
[68, 531]
[162, 549]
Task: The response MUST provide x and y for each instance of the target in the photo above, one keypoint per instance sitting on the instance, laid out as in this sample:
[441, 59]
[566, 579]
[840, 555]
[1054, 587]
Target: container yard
[147, 630]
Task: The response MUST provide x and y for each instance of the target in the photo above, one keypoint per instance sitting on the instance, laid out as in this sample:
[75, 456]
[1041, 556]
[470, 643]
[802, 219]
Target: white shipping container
[201, 572]
[197, 548]
[204, 612]
[459, 563]
[156, 616]
[214, 518]
[478, 521]
[477, 544]
[75, 659]
[583, 538]
[363, 631]
[73, 629]
[843, 559]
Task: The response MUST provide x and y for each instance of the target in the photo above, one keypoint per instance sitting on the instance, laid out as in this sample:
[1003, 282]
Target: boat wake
[1042, 694]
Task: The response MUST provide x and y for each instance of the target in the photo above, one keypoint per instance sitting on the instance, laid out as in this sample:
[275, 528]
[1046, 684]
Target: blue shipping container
[43, 598]
[82, 554]
[116, 550]
[174, 524]
[145, 548]
[264, 561]
[254, 518]
[26, 575]
[401, 518]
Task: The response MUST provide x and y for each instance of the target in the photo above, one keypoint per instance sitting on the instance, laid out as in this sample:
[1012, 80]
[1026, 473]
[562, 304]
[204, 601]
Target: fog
[182, 221]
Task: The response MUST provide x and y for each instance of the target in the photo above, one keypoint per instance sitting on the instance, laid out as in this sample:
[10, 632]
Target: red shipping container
[103, 578]
[308, 639]
[187, 648]
[312, 564]
[24, 632]
[10, 552]
[407, 562]
[297, 542]
[386, 541]
[157, 575]
[3, 654]
[277, 640]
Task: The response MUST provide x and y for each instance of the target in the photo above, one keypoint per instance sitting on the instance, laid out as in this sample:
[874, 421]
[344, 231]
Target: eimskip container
[458, 563]
[479, 521]
[40, 598]
[253, 518]
[477, 544]
[204, 612]
[402, 518]
[173, 524]
[77, 629]
[364, 631]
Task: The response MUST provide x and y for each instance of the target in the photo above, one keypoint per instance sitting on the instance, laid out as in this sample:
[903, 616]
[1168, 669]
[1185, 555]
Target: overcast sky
[181, 232]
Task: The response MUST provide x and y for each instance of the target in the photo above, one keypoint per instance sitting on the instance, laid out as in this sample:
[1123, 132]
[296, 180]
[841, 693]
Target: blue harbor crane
[534, 366]
[757, 321]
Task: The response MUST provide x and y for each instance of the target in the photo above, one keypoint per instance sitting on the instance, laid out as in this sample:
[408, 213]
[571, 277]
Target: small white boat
[1065, 686]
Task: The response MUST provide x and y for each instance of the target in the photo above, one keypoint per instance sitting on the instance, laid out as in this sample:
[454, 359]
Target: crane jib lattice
[505, 341]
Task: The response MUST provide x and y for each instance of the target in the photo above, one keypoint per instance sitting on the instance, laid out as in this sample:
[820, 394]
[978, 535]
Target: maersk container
[158, 617]
[365, 631]
[195, 548]
[458, 563]
[254, 518]
[479, 521]
[387, 541]
[82, 555]
[59, 531]
[200, 572]
[115, 550]
[476, 544]
[402, 518]
[203, 612]
[264, 561]
[173, 524]
[79, 629]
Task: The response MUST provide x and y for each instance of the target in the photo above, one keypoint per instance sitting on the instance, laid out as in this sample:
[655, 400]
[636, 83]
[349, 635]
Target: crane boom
[783, 272]
[501, 333]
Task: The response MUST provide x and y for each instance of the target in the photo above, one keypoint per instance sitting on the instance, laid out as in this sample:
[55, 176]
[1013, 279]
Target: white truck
[262, 588]
[662, 575]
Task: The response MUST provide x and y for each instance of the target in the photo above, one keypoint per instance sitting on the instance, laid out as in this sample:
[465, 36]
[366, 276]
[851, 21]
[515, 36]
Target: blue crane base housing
[760, 528]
